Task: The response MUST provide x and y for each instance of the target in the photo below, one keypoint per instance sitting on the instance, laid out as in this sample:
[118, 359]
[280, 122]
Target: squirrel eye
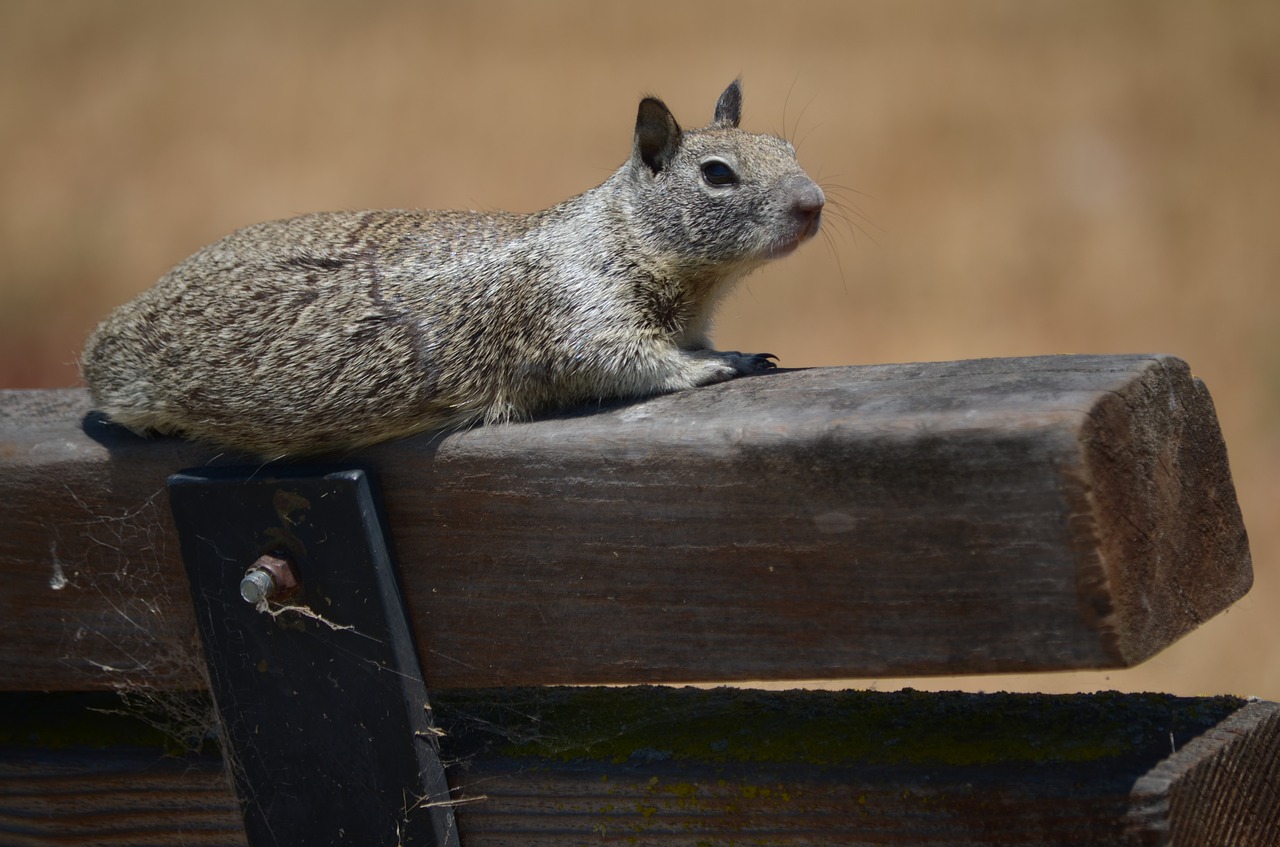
[716, 172]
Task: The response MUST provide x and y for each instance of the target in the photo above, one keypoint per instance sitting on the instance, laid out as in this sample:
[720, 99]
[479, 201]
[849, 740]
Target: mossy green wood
[659, 766]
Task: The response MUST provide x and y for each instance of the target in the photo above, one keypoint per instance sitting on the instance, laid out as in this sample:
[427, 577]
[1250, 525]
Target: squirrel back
[336, 330]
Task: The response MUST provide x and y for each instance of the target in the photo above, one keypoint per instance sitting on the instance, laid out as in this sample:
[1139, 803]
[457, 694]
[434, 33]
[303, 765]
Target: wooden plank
[115, 797]
[1003, 515]
[688, 767]
[1221, 788]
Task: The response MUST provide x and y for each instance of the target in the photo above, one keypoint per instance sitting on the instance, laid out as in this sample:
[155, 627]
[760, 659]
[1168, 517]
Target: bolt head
[257, 586]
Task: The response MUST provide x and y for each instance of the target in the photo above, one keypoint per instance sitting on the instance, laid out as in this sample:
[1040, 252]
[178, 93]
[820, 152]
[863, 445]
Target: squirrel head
[718, 196]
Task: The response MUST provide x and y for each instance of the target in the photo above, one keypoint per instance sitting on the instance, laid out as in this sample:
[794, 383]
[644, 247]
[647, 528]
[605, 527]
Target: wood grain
[121, 796]
[686, 767]
[1222, 788]
[1003, 515]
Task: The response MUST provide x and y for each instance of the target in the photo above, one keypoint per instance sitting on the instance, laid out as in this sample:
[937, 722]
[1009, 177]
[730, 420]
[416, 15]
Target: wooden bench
[1005, 515]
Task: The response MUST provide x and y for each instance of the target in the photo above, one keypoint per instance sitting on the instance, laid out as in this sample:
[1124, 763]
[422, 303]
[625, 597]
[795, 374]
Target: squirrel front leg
[622, 365]
[724, 364]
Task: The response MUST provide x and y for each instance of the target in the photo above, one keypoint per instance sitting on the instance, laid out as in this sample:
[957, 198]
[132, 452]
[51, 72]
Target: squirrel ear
[657, 134]
[729, 106]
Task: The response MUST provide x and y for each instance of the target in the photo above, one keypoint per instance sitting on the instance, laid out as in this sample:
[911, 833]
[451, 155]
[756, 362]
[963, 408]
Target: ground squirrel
[337, 330]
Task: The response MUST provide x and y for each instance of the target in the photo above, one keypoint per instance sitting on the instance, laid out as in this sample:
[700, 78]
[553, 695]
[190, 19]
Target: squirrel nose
[807, 201]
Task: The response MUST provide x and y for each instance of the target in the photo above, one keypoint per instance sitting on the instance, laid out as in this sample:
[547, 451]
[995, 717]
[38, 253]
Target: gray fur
[337, 330]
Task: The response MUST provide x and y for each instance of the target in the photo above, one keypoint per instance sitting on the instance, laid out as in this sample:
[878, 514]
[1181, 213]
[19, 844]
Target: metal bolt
[269, 576]
[256, 586]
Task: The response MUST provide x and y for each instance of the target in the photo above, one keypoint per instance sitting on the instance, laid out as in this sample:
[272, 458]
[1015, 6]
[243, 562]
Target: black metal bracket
[311, 659]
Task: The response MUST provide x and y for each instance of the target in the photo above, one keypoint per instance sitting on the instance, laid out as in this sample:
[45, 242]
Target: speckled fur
[337, 330]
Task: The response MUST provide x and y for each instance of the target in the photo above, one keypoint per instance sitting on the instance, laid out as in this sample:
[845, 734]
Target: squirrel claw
[756, 362]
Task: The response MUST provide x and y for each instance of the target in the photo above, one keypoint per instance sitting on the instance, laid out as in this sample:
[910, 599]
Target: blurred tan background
[1007, 179]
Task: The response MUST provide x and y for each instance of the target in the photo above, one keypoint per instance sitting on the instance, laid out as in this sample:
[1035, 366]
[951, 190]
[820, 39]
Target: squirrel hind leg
[145, 423]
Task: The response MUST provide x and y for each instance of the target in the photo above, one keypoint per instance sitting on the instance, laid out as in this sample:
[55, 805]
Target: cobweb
[129, 634]
[133, 630]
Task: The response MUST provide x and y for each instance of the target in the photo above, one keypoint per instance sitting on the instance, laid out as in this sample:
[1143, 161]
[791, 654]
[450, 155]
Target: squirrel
[333, 331]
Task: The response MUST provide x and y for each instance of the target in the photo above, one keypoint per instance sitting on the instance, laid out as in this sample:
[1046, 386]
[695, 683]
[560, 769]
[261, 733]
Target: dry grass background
[1039, 178]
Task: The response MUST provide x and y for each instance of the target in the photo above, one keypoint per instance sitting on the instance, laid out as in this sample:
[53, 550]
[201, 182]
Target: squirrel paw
[749, 363]
[721, 365]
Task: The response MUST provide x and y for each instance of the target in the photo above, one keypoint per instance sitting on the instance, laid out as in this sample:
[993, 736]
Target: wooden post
[961, 517]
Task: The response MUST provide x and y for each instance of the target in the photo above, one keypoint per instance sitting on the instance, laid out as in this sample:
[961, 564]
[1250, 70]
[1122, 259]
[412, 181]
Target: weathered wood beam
[1003, 515]
[690, 767]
